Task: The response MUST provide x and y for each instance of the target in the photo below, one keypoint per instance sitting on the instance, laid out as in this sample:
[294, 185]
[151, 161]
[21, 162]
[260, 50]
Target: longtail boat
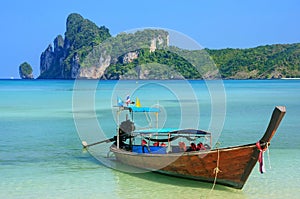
[188, 153]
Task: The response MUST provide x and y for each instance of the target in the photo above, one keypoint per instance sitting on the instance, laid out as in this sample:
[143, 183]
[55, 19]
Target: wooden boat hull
[235, 164]
[228, 166]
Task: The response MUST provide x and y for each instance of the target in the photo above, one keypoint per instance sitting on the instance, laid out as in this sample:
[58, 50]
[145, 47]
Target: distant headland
[131, 56]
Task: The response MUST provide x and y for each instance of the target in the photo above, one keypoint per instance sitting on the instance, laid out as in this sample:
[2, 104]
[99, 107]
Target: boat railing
[179, 140]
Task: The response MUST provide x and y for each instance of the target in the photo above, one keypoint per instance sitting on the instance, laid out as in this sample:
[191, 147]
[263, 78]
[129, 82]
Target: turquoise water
[41, 154]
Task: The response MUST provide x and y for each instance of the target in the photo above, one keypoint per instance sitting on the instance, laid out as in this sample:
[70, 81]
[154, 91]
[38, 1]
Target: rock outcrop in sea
[25, 71]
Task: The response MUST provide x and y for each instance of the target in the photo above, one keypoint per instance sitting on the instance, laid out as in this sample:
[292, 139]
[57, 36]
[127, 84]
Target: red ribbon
[260, 157]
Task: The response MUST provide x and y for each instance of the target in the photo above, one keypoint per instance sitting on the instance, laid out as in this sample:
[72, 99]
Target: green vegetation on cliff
[124, 43]
[162, 58]
[81, 36]
[270, 61]
[263, 62]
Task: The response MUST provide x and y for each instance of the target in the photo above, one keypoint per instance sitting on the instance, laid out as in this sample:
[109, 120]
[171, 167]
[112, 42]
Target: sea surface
[42, 124]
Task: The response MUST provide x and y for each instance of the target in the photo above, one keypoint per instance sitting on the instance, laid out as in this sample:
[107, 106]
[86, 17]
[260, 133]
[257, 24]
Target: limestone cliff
[52, 60]
[87, 51]
[63, 62]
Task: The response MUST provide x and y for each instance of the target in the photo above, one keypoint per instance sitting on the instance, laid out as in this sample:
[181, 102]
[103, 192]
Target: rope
[216, 171]
[260, 156]
[218, 144]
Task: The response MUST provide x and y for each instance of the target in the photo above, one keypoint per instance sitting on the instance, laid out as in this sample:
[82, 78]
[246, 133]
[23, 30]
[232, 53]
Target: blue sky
[28, 27]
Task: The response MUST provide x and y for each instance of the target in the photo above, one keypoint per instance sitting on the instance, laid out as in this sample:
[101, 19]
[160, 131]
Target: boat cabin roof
[172, 131]
[140, 109]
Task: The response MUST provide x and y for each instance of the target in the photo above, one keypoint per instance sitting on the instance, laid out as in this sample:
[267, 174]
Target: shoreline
[292, 78]
[18, 79]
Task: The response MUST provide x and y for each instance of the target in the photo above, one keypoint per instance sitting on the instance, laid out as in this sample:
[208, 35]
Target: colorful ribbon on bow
[260, 157]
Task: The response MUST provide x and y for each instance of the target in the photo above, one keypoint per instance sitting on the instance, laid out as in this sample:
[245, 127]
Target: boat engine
[125, 129]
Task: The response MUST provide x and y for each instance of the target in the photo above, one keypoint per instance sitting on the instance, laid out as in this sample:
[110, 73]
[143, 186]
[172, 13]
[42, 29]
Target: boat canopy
[170, 134]
[172, 131]
[142, 109]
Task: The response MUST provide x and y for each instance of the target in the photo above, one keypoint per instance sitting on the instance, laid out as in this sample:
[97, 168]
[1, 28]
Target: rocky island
[90, 52]
[25, 71]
